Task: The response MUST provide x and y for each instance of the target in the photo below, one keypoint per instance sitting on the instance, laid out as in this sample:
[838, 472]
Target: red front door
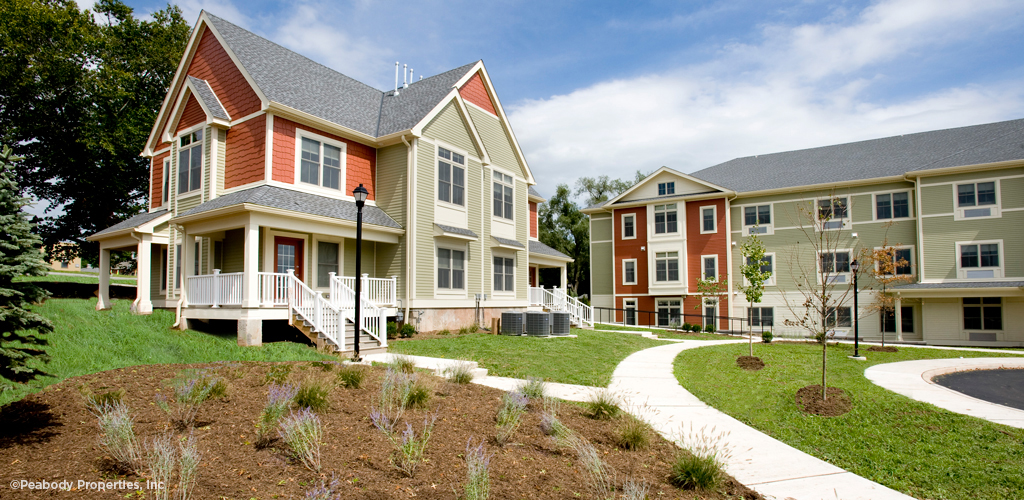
[288, 254]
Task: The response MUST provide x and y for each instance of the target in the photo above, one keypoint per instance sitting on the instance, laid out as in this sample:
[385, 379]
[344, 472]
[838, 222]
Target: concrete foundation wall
[455, 318]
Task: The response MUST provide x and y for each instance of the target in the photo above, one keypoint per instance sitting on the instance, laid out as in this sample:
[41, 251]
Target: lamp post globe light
[359, 194]
[855, 267]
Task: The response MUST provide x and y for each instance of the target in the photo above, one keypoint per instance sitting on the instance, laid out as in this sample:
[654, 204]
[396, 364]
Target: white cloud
[802, 86]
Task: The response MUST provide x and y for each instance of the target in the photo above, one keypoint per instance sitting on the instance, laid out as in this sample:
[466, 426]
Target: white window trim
[515, 269]
[913, 265]
[771, 280]
[269, 250]
[768, 228]
[630, 303]
[465, 178]
[635, 271]
[847, 277]
[452, 292]
[665, 303]
[343, 176]
[316, 259]
[998, 271]
[874, 205]
[714, 212]
[512, 185]
[654, 234]
[202, 153]
[847, 222]
[654, 268]
[166, 183]
[703, 276]
[622, 224]
[958, 212]
[1002, 305]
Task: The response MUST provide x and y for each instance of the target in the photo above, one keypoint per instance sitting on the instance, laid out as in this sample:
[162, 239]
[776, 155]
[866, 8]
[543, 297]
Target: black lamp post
[360, 194]
[855, 266]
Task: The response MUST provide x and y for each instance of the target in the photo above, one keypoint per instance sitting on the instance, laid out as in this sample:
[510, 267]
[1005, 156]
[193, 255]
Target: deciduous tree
[753, 254]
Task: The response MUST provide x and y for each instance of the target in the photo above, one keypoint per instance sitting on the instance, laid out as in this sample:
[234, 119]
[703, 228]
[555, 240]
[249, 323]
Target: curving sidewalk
[914, 380]
[763, 463]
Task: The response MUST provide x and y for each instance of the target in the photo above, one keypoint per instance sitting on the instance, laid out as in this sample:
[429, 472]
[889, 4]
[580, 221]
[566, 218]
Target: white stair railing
[322, 316]
[557, 299]
[372, 319]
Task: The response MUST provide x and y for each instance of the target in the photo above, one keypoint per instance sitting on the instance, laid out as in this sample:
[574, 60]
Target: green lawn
[87, 341]
[588, 359]
[78, 278]
[909, 446]
[669, 334]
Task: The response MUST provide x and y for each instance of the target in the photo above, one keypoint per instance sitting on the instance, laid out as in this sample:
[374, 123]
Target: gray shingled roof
[456, 230]
[210, 100]
[542, 249]
[533, 192]
[961, 284]
[297, 201]
[296, 81]
[132, 222]
[597, 205]
[890, 156]
[511, 243]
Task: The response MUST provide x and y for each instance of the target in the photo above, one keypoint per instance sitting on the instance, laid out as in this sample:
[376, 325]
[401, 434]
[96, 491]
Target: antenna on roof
[396, 77]
[405, 76]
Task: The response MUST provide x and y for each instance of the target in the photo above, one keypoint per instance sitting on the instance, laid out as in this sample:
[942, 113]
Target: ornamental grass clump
[700, 465]
[314, 393]
[550, 425]
[404, 364]
[600, 477]
[351, 376]
[95, 401]
[302, 432]
[188, 466]
[603, 405]
[160, 459]
[532, 387]
[459, 373]
[510, 415]
[478, 474]
[278, 375]
[392, 400]
[117, 436]
[279, 399]
[189, 390]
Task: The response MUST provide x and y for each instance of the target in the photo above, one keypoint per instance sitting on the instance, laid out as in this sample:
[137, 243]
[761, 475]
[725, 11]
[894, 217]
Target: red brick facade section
[698, 245]
[213, 64]
[156, 181]
[630, 249]
[360, 159]
[474, 91]
[245, 153]
[533, 220]
[193, 114]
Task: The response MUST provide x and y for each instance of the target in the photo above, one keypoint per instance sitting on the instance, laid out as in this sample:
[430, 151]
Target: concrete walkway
[765, 464]
[914, 380]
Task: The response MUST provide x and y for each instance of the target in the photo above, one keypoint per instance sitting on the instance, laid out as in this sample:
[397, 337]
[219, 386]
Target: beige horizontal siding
[496, 142]
[600, 230]
[973, 176]
[449, 127]
[936, 200]
[601, 266]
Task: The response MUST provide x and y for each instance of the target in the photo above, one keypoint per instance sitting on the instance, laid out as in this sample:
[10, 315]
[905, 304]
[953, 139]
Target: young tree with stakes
[753, 251]
[820, 295]
[21, 347]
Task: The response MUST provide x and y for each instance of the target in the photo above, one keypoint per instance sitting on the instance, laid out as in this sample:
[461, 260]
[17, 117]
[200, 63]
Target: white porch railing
[215, 289]
[382, 292]
[557, 299]
[372, 319]
[273, 289]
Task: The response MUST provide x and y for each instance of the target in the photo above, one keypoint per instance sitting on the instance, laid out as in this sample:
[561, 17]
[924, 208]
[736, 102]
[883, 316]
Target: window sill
[502, 220]
[975, 213]
[453, 206]
[761, 230]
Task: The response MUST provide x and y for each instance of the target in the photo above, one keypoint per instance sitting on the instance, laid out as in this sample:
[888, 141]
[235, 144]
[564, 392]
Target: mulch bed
[881, 348]
[752, 363]
[52, 436]
[809, 399]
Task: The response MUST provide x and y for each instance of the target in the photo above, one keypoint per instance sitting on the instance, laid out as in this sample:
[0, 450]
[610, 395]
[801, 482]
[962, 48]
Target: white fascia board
[673, 172]
[479, 66]
[417, 130]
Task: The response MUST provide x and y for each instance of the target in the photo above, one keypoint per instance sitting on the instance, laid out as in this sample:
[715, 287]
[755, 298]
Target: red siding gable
[156, 181]
[193, 114]
[474, 91]
[360, 159]
[245, 152]
[533, 220]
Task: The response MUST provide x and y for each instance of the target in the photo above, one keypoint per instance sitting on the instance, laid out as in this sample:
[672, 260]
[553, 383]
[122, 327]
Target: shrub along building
[950, 203]
[255, 156]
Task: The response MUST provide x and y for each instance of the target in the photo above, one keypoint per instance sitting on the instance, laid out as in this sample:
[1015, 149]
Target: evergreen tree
[20, 255]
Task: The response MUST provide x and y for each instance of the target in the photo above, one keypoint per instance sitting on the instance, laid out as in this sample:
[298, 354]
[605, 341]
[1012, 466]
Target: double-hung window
[835, 266]
[892, 206]
[839, 317]
[629, 272]
[666, 266]
[320, 163]
[767, 266]
[832, 213]
[628, 226]
[983, 313]
[757, 219]
[977, 200]
[503, 195]
[666, 188]
[763, 317]
[707, 220]
[451, 177]
[327, 262]
[710, 268]
[897, 263]
[669, 311]
[666, 219]
[906, 320]
[190, 162]
[504, 275]
[451, 269]
[979, 260]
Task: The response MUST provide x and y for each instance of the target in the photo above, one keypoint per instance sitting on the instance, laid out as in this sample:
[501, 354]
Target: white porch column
[897, 312]
[187, 262]
[565, 276]
[104, 292]
[144, 268]
[251, 283]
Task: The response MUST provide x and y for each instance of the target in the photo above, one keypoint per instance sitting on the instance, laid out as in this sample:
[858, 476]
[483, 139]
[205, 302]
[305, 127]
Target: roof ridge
[966, 149]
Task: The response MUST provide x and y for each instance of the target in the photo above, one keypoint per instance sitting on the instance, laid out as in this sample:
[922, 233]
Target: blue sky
[598, 87]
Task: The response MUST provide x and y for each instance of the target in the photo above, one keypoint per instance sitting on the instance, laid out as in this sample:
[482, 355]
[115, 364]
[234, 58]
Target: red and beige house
[653, 243]
[256, 153]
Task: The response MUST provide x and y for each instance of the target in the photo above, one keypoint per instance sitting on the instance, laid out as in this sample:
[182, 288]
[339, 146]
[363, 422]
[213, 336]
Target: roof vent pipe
[405, 76]
[410, 75]
[396, 77]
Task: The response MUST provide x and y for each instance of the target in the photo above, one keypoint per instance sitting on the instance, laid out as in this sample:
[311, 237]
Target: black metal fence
[666, 319]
